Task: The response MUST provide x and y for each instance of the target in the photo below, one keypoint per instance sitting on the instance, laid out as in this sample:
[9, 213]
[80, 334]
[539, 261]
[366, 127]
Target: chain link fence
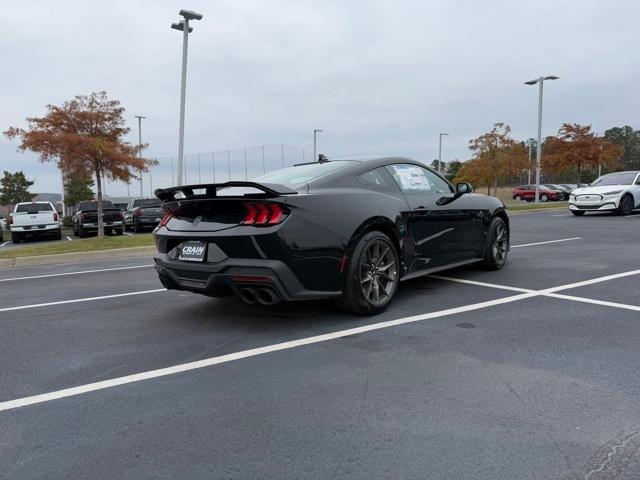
[213, 167]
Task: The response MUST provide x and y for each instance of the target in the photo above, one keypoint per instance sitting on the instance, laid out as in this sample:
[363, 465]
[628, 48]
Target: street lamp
[440, 153]
[140, 117]
[315, 143]
[539, 81]
[183, 26]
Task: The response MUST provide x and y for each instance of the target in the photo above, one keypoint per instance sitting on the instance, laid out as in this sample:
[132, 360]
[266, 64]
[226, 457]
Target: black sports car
[344, 229]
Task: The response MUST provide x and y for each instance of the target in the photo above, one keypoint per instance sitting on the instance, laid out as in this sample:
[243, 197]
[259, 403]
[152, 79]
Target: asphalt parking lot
[531, 372]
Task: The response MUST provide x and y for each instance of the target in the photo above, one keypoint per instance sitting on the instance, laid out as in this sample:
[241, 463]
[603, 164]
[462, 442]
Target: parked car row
[528, 193]
[41, 220]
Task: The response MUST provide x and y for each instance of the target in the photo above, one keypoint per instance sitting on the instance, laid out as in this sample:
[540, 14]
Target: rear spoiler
[270, 190]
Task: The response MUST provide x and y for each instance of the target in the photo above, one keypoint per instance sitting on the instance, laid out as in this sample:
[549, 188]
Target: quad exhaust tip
[264, 296]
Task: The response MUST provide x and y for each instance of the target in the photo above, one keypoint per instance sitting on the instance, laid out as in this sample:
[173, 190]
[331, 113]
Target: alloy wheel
[500, 244]
[378, 272]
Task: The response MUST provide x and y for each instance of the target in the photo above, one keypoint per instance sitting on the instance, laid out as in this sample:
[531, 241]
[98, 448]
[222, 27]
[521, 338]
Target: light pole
[539, 81]
[315, 143]
[140, 117]
[529, 164]
[440, 169]
[183, 26]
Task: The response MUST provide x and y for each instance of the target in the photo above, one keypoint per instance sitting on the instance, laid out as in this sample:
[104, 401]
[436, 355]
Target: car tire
[517, 198]
[497, 245]
[578, 213]
[81, 233]
[372, 275]
[57, 235]
[544, 197]
[118, 231]
[137, 228]
[16, 237]
[626, 205]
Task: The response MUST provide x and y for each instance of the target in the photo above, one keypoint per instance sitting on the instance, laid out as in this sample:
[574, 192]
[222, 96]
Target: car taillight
[263, 214]
[138, 212]
[82, 217]
[10, 220]
[165, 219]
[120, 217]
[55, 216]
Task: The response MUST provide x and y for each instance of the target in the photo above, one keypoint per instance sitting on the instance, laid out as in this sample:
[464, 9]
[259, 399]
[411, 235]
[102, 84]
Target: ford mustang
[350, 230]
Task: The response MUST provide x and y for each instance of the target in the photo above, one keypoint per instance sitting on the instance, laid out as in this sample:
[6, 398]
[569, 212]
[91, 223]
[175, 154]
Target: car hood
[599, 189]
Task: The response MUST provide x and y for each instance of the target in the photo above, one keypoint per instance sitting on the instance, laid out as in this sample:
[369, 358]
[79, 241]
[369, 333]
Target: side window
[413, 178]
[638, 180]
[378, 177]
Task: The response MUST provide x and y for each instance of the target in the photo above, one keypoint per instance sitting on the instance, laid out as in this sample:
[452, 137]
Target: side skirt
[439, 268]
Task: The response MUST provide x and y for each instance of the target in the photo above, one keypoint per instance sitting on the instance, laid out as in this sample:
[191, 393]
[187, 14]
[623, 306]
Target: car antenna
[322, 158]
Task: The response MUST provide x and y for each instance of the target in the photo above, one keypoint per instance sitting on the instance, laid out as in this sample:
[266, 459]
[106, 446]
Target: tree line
[576, 153]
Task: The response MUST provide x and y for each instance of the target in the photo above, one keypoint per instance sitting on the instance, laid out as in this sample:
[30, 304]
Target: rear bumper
[146, 220]
[225, 278]
[36, 228]
[94, 226]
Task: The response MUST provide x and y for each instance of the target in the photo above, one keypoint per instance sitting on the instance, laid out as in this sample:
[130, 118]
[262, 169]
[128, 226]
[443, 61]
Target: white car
[619, 192]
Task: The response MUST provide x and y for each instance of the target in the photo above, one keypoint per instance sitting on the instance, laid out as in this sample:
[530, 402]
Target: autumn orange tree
[496, 156]
[85, 136]
[577, 147]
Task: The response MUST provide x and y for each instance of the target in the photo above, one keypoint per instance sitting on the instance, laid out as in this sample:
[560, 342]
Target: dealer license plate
[193, 251]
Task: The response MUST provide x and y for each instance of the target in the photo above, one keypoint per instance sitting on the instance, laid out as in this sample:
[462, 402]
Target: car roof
[634, 172]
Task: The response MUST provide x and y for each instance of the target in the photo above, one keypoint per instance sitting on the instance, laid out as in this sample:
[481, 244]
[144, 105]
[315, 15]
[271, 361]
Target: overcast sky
[380, 77]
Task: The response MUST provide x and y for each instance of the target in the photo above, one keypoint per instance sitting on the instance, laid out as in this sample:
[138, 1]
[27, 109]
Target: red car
[528, 192]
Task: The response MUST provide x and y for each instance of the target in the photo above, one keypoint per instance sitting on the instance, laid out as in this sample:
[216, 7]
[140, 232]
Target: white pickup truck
[34, 218]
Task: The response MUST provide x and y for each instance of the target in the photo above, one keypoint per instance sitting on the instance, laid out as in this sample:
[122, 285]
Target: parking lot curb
[76, 257]
[536, 210]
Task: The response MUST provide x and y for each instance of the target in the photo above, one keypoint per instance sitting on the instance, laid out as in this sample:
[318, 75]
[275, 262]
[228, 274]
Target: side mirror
[462, 188]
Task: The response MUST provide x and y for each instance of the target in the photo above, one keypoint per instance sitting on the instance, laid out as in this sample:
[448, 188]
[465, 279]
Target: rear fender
[382, 224]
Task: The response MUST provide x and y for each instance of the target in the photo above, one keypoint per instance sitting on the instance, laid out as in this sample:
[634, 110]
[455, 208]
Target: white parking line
[5, 243]
[482, 284]
[550, 292]
[562, 215]
[79, 272]
[544, 243]
[69, 238]
[127, 234]
[80, 300]
[593, 301]
[138, 377]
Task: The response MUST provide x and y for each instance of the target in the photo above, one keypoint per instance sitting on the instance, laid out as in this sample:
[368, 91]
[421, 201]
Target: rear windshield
[94, 205]
[300, 174]
[34, 207]
[147, 203]
[622, 178]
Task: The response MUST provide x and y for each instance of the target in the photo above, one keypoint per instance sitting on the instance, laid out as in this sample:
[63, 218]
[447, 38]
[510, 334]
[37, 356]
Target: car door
[441, 225]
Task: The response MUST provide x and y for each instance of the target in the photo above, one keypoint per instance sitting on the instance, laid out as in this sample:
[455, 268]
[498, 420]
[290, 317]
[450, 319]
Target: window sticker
[412, 177]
